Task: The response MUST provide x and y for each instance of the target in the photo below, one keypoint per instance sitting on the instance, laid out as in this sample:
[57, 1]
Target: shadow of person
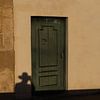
[23, 89]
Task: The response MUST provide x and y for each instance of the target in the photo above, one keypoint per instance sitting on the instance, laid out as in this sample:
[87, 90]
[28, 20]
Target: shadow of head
[25, 78]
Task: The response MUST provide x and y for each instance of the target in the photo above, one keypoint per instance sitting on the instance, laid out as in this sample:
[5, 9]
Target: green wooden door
[48, 53]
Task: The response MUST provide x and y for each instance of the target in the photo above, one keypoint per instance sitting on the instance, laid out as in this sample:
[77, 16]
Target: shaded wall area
[6, 46]
[22, 88]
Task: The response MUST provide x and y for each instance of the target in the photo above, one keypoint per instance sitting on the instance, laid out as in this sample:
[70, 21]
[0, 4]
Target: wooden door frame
[65, 46]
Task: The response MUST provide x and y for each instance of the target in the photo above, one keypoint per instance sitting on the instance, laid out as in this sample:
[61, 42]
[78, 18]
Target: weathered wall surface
[6, 46]
[83, 37]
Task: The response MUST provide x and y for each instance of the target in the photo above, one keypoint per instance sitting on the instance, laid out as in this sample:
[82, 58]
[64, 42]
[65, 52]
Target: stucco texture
[83, 38]
[6, 46]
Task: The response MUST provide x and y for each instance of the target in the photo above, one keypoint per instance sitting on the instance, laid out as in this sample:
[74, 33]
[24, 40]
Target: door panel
[48, 56]
[48, 46]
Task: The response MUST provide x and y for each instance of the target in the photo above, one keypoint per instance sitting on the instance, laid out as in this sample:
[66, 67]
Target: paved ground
[65, 97]
[55, 97]
[87, 97]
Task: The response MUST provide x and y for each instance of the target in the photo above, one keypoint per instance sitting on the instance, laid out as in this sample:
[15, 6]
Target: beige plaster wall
[83, 37]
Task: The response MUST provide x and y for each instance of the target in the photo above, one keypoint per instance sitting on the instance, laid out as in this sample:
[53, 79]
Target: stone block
[7, 25]
[7, 3]
[8, 42]
[7, 12]
[1, 41]
[6, 71]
